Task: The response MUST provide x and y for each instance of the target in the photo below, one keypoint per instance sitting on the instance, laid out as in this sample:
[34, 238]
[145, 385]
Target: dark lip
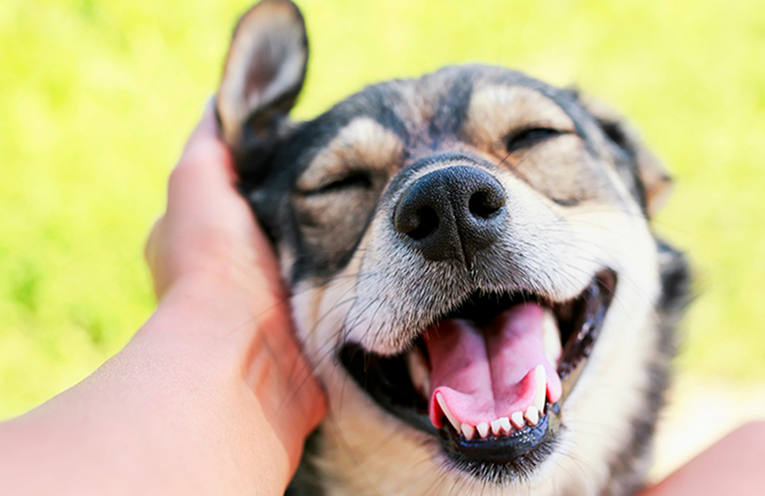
[386, 380]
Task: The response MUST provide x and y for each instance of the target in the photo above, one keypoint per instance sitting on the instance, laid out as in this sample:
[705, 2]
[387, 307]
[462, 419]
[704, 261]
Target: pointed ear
[653, 182]
[263, 75]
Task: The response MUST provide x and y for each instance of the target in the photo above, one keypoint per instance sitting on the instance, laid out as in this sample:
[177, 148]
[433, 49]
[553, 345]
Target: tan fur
[495, 111]
[657, 183]
[362, 142]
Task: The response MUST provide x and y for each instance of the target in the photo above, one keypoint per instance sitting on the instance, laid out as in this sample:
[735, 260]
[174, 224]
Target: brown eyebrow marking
[497, 110]
[362, 143]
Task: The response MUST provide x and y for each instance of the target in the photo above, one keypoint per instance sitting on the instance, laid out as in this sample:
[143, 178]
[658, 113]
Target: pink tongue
[485, 374]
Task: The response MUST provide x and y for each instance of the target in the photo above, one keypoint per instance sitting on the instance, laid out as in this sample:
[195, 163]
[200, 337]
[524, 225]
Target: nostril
[451, 213]
[426, 222]
[485, 204]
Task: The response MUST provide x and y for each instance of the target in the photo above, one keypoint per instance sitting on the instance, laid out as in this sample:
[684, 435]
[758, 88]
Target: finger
[204, 177]
[207, 125]
[205, 147]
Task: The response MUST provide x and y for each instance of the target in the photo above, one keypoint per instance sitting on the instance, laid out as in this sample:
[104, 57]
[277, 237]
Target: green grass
[96, 99]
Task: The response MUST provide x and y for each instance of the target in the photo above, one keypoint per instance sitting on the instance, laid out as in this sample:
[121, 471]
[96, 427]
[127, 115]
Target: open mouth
[488, 378]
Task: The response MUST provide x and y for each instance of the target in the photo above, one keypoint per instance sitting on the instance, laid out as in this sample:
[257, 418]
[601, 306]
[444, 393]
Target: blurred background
[97, 98]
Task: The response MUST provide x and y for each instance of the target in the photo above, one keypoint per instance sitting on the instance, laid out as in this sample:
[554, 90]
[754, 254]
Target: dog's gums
[488, 378]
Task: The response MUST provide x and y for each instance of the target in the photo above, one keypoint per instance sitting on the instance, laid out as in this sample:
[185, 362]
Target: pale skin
[212, 394]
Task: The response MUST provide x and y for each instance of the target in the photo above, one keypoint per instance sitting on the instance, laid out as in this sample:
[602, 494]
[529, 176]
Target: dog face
[472, 269]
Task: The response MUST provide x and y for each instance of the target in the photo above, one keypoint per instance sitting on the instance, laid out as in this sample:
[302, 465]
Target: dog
[473, 272]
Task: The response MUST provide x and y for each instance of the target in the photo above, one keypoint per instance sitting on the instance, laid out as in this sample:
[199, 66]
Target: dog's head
[472, 269]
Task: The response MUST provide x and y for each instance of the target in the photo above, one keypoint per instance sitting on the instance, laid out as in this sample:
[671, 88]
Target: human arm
[212, 394]
[730, 466]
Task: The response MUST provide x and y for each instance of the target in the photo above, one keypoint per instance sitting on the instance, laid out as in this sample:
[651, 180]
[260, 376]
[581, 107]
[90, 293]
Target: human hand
[208, 229]
[212, 394]
[207, 251]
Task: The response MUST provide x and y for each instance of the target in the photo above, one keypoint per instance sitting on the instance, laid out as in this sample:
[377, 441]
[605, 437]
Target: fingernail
[209, 104]
[209, 116]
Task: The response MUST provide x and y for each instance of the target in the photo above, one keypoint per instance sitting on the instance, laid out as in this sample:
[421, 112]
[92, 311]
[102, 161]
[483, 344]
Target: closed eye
[526, 138]
[349, 181]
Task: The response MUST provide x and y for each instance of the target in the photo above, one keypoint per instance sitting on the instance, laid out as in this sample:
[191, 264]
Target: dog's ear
[263, 75]
[651, 179]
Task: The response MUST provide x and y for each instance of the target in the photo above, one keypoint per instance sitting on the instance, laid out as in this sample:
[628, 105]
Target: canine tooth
[483, 429]
[468, 431]
[504, 423]
[541, 387]
[532, 415]
[517, 420]
[551, 337]
[418, 371]
[452, 419]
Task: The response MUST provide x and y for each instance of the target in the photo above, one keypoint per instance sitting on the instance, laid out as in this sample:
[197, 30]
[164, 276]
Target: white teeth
[532, 415]
[468, 431]
[551, 337]
[517, 420]
[541, 386]
[483, 429]
[418, 371]
[496, 427]
[452, 419]
[504, 423]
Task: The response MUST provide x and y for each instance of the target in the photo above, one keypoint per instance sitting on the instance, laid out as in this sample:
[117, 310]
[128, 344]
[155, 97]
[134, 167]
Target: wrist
[236, 337]
[208, 332]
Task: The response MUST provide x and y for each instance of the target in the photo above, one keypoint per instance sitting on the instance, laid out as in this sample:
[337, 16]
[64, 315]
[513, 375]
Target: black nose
[451, 213]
